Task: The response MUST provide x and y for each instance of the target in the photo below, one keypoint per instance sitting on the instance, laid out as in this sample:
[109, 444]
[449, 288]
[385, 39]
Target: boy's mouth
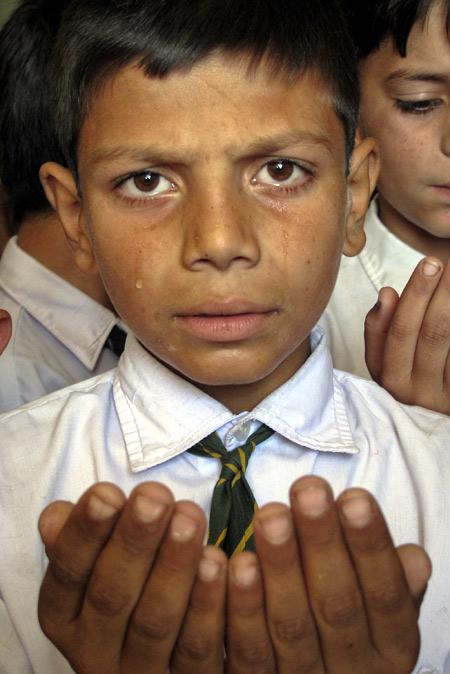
[225, 322]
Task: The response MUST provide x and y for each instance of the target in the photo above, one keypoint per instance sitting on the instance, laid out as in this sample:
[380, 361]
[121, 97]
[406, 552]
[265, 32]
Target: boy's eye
[145, 184]
[282, 172]
[419, 107]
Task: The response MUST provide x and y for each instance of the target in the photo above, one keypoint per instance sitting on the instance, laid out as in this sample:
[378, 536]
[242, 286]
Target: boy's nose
[219, 231]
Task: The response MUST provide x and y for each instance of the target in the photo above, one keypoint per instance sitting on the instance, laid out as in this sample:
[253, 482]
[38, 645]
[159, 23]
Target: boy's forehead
[427, 51]
[218, 98]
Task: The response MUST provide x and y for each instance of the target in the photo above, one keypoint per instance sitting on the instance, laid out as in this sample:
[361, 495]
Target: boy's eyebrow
[155, 154]
[417, 76]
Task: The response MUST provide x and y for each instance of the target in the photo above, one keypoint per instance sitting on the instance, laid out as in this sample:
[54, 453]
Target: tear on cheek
[139, 283]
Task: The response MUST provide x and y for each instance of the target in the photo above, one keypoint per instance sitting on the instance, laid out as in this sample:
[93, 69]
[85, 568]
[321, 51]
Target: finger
[73, 556]
[376, 328]
[390, 610]
[330, 579]
[291, 624]
[406, 325]
[249, 648]
[123, 565]
[158, 616]
[52, 521]
[434, 339]
[417, 569]
[5, 329]
[200, 645]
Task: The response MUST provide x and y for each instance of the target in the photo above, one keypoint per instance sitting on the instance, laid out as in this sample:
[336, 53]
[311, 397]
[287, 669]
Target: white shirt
[58, 331]
[136, 423]
[384, 261]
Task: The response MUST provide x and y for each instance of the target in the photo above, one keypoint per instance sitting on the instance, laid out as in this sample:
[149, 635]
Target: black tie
[233, 504]
[116, 340]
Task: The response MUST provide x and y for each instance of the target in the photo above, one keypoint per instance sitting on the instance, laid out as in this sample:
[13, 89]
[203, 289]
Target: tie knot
[234, 463]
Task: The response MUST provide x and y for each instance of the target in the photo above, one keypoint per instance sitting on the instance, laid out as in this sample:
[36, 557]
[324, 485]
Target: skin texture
[414, 143]
[408, 338]
[217, 229]
[130, 590]
[129, 587]
[407, 342]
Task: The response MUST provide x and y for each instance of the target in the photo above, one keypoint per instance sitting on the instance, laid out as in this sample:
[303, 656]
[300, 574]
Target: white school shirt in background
[136, 423]
[58, 334]
[384, 261]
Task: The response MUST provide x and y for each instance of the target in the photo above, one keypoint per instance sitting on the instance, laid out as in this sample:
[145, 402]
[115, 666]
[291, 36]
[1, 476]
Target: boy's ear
[362, 180]
[62, 193]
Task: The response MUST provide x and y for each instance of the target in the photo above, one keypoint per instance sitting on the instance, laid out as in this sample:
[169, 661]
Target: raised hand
[408, 338]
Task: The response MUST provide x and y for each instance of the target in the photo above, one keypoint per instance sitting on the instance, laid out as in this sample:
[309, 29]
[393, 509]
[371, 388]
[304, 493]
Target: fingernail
[146, 510]
[431, 267]
[276, 529]
[245, 576]
[208, 570]
[100, 510]
[182, 528]
[357, 511]
[312, 501]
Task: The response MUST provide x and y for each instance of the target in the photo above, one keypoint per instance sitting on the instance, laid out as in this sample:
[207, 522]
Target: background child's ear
[61, 191]
[362, 180]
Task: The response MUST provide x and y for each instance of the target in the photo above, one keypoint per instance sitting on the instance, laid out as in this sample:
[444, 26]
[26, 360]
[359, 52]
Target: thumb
[376, 327]
[417, 567]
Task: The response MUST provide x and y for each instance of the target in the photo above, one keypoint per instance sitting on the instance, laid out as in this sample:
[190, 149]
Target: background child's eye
[146, 183]
[281, 172]
[419, 107]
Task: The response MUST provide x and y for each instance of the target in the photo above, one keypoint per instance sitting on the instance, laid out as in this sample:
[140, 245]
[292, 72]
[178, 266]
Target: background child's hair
[373, 21]
[28, 135]
[100, 36]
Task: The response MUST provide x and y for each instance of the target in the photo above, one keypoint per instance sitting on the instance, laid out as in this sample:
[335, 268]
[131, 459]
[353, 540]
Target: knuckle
[293, 630]
[437, 333]
[368, 545]
[342, 609]
[385, 599]
[152, 627]
[254, 653]
[195, 648]
[106, 599]
[66, 574]
[300, 633]
[133, 546]
[401, 330]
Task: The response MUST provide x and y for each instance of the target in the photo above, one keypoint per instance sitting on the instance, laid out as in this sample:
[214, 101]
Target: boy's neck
[413, 236]
[244, 397]
[42, 237]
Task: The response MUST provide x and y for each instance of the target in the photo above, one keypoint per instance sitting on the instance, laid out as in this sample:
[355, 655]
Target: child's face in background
[406, 107]
[216, 205]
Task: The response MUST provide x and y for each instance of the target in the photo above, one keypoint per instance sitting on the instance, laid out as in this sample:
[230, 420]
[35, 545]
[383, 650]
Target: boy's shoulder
[371, 410]
[67, 398]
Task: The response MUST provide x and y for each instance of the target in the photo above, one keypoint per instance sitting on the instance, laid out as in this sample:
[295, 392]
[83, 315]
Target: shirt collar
[78, 321]
[384, 254]
[162, 415]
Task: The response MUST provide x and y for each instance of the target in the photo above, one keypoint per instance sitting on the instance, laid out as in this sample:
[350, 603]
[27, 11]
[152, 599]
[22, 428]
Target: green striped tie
[233, 504]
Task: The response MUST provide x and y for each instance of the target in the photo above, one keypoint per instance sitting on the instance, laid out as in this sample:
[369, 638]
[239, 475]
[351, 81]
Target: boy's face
[406, 106]
[216, 204]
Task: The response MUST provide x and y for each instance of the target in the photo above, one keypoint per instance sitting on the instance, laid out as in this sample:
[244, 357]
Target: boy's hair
[28, 135]
[373, 21]
[98, 37]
